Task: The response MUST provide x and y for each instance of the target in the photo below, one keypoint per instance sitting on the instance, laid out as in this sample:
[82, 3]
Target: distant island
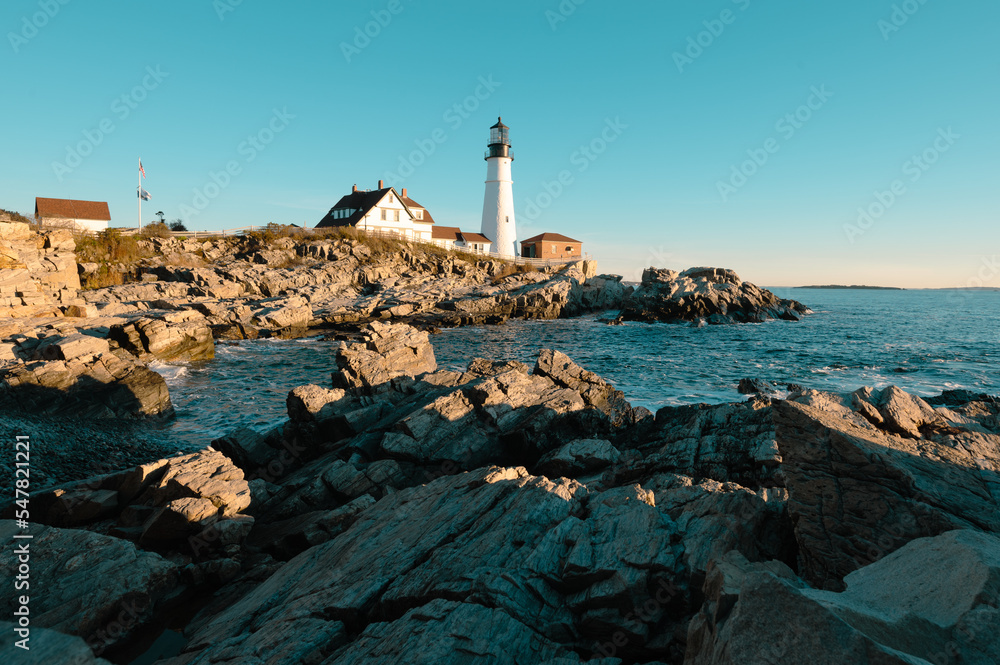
[853, 286]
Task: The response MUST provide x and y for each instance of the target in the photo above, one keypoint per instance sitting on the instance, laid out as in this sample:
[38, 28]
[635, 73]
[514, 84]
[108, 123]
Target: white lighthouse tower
[498, 203]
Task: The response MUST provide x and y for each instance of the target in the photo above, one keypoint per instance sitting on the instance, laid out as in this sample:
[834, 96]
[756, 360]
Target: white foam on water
[171, 373]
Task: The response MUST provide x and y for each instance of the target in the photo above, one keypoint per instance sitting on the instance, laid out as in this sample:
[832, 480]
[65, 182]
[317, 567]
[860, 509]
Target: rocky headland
[71, 352]
[529, 514]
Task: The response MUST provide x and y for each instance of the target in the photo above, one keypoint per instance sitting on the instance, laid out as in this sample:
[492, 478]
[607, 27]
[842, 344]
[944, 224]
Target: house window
[569, 249]
[385, 214]
[554, 250]
[418, 213]
[396, 215]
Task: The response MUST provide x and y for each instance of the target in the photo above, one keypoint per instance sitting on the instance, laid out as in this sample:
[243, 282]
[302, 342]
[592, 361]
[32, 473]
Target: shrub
[177, 225]
[109, 246]
[105, 276]
[17, 217]
[157, 230]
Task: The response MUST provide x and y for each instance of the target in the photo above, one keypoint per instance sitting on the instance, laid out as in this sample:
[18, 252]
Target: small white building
[452, 237]
[67, 213]
[382, 210]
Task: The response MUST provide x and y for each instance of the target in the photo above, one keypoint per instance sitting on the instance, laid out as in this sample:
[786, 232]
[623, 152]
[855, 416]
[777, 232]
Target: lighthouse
[498, 203]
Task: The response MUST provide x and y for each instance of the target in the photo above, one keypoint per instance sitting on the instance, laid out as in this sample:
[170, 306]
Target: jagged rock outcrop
[564, 573]
[77, 375]
[38, 273]
[168, 337]
[858, 491]
[932, 601]
[386, 352]
[88, 585]
[192, 503]
[704, 295]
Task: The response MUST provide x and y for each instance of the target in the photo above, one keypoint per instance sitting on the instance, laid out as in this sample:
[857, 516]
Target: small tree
[177, 225]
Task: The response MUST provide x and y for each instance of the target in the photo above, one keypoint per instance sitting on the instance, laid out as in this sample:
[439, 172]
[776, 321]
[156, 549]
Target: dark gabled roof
[474, 237]
[445, 233]
[553, 237]
[70, 209]
[362, 202]
[410, 203]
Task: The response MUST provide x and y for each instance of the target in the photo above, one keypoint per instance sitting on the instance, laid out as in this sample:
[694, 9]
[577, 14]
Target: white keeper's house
[67, 213]
[382, 210]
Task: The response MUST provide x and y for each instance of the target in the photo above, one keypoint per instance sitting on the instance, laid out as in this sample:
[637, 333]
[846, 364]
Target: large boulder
[386, 352]
[189, 495]
[596, 392]
[93, 383]
[158, 338]
[711, 295]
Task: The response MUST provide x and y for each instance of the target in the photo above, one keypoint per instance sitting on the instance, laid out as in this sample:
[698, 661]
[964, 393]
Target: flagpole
[138, 192]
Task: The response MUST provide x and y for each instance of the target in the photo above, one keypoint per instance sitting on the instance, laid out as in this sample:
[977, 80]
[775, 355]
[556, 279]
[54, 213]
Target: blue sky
[736, 133]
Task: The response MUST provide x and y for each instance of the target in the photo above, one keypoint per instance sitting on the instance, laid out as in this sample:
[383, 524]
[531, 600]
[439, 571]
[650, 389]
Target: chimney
[381, 184]
[404, 192]
[354, 190]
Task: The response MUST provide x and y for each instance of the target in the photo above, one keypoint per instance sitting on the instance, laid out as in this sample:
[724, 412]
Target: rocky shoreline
[87, 353]
[520, 514]
[505, 513]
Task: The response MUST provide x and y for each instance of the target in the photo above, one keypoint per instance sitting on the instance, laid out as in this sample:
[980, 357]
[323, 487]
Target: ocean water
[921, 341]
